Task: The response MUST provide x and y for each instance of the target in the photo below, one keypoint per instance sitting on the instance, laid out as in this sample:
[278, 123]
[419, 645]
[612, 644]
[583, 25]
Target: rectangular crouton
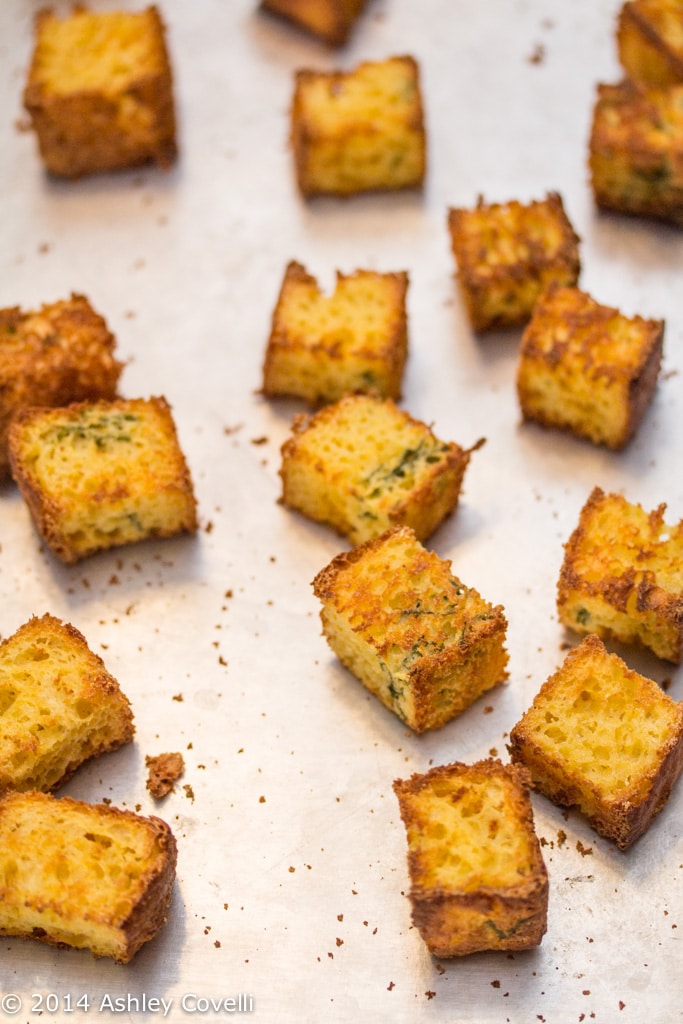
[99, 91]
[58, 706]
[60, 353]
[360, 130]
[85, 876]
[650, 41]
[362, 465]
[101, 474]
[328, 20]
[417, 637]
[477, 876]
[622, 576]
[506, 254]
[601, 737]
[587, 368]
[355, 340]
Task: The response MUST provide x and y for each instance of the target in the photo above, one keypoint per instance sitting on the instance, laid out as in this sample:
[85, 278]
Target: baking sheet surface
[292, 873]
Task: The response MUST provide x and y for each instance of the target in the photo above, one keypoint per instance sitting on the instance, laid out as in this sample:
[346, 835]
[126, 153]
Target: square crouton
[355, 340]
[60, 353]
[636, 151]
[622, 576]
[362, 465]
[587, 368]
[59, 706]
[477, 876]
[650, 41]
[96, 475]
[87, 876]
[328, 20]
[507, 253]
[603, 738]
[360, 130]
[424, 643]
[100, 91]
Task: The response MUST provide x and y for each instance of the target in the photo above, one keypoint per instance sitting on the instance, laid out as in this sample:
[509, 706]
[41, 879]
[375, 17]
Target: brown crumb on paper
[163, 771]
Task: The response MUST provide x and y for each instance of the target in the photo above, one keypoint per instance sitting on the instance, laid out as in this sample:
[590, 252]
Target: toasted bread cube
[622, 576]
[360, 130]
[587, 368]
[58, 706]
[603, 738]
[650, 41]
[362, 465]
[329, 20]
[60, 353]
[96, 475]
[323, 347]
[424, 643]
[506, 254]
[477, 876]
[636, 151]
[100, 91]
[87, 876]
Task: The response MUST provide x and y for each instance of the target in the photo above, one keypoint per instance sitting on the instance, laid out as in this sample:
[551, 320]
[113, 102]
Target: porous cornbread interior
[586, 367]
[353, 340]
[100, 91]
[362, 465]
[604, 738]
[60, 353]
[478, 880]
[622, 575]
[58, 706]
[419, 639]
[81, 875]
[650, 41]
[330, 20]
[359, 130]
[97, 475]
[636, 150]
[507, 253]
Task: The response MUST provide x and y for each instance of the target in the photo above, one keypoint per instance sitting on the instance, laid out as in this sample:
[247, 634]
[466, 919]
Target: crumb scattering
[163, 771]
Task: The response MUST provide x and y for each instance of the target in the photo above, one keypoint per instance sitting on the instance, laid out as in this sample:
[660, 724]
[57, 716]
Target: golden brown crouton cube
[100, 474]
[650, 41]
[100, 91]
[329, 20]
[354, 340]
[360, 130]
[622, 576]
[363, 465]
[507, 253]
[60, 353]
[601, 737]
[477, 876]
[587, 368]
[636, 151]
[86, 876]
[59, 706]
[417, 637]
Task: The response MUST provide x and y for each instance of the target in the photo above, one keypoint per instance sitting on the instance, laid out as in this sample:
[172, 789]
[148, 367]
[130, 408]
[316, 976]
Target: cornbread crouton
[86, 876]
[622, 576]
[96, 475]
[587, 368]
[359, 131]
[477, 876]
[636, 151]
[329, 20]
[419, 639]
[601, 737]
[60, 353]
[506, 254]
[58, 706]
[355, 340]
[650, 41]
[362, 465]
[100, 91]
